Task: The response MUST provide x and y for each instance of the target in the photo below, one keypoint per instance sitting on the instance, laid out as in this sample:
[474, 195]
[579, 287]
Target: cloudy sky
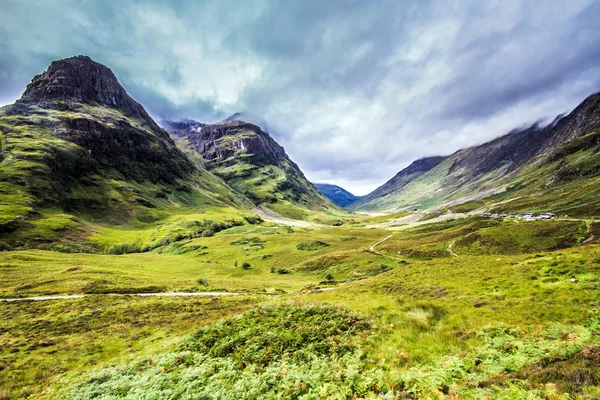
[354, 90]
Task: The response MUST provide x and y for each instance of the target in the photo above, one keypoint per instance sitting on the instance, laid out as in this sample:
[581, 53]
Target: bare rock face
[225, 140]
[82, 80]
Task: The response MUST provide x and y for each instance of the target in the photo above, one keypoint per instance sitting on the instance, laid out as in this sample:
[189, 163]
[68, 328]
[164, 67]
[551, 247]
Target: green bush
[249, 243]
[253, 219]
[312, 246]
[246, 265]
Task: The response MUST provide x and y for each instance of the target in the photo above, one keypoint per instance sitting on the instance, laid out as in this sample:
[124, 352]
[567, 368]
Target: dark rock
[82, 80]
[251, 140]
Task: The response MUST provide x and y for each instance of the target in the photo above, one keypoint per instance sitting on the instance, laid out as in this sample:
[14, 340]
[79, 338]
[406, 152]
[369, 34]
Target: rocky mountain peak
[80, 79]
[224, 140]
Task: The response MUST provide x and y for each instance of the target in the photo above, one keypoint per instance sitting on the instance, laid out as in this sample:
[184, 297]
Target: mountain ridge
[489, 169]
[76, 143]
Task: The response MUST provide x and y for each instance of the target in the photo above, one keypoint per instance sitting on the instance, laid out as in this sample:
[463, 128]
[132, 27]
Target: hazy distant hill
[338, 195]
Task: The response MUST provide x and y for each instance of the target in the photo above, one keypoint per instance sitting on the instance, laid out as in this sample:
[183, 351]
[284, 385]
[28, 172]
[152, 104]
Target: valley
[196, 260]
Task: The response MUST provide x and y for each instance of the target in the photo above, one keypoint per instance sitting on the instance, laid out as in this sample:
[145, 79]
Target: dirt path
[43, 298]
[271, 216]
[452, 253]
[372, 249]
[171, 294]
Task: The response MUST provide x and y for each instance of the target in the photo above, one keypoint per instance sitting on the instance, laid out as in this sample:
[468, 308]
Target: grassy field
[498, 321]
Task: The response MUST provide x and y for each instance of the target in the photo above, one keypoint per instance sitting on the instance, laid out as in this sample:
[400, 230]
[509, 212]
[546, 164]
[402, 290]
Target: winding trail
[170, 294]
[452, 253]
[372, 249]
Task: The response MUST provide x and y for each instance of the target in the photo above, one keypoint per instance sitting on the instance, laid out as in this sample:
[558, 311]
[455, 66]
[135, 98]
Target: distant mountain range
[336, 194]
[554, 167]
[77, 152]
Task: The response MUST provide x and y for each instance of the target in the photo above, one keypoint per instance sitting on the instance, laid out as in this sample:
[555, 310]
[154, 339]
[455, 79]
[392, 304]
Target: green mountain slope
[77, 147]
[252, 163]
[336, 194]
[554, 168]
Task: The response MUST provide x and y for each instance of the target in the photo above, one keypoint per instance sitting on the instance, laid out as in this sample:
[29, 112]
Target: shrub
[202, 282]
[208, 233]
[249, 244]
[283, 271]
[253, 219]
[267, 353]
[384, 268]
[127, 248]
[312, 246]
[246, 266]
[329, 277]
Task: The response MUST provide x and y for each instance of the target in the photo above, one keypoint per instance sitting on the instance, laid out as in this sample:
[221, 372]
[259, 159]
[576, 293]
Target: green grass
[517, 237]
[43, 340]
[484, 325]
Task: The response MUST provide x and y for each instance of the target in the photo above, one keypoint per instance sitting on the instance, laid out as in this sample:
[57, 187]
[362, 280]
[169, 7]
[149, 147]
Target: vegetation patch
[312, 246]
[523, 237]
[267, 353]
[250, 243]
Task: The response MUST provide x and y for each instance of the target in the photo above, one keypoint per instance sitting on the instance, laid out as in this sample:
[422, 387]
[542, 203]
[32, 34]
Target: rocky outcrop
[249, 160]
[82, 80]
[225, 140]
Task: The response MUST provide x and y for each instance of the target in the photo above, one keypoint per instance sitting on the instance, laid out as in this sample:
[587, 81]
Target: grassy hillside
[553, 168]
[67, 165]
[254, 165]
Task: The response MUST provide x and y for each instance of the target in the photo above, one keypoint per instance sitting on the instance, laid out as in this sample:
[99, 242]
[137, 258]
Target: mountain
[76, 145]
[252, 163]
[336, 194]
[554, 167]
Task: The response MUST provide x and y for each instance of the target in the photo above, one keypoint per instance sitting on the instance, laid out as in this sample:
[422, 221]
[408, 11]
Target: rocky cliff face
[225, 140]
[250, 161]
[82, 102]
[82, 80]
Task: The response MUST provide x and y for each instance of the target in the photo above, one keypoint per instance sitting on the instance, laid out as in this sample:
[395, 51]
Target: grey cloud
[353, 90]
